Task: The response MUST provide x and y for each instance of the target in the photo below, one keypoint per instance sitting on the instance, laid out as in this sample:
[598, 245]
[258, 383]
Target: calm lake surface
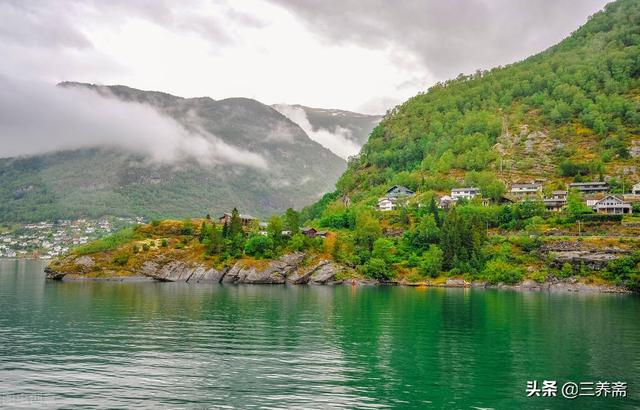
[167, 345]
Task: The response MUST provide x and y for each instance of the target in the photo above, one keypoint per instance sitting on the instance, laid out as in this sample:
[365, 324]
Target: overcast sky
[361, 55]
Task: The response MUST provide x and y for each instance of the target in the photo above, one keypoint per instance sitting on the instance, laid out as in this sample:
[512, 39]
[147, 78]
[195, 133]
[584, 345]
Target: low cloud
[340, 141]
[37, 118]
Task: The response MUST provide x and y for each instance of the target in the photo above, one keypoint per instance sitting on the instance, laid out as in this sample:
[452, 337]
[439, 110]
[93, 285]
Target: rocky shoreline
[292, 270]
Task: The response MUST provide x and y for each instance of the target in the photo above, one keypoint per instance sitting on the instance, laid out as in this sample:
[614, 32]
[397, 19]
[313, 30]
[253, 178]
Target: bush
[376, 268]
[164, 243]
[155, 223]
[600, 217]
[258, 246]
[297, 242]
[121, 259]
[187, 227]
[145, 247]
[431, 262]
[625, 270]
[499, 270]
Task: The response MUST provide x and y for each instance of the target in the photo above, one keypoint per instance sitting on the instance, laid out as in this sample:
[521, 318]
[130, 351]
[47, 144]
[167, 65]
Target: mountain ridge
[90, 182]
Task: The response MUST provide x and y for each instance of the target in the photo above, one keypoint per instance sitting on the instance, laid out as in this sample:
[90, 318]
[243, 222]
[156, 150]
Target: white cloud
[359, 55]
[37, 118]
[339, 142]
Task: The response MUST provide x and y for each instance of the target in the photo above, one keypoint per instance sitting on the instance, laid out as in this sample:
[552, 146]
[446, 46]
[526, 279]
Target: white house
[386, 204]
[526, 190]
[612, 205]
[636, 189]
[466, 193]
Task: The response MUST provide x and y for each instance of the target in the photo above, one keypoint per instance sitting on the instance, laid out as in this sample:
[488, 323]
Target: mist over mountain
[90, 150]
[343, 132]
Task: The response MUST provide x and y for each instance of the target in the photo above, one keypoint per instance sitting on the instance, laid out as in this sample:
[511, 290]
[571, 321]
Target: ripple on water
[173, 345]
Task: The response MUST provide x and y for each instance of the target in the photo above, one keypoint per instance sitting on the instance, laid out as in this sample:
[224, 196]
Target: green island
[521, 175]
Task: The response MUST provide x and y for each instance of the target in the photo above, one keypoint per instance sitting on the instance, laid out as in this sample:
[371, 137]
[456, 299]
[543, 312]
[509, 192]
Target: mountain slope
[343, 132]
[569, 113]
[98, 181]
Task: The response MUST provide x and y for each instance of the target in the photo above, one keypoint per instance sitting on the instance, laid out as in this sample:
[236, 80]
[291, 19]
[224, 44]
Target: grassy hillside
[570, 112]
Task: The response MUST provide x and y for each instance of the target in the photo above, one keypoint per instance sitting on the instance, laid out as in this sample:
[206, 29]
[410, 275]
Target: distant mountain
[107, 181]
[343, 132]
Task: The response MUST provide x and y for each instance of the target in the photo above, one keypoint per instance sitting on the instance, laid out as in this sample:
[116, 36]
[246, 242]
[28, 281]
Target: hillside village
[595, 195]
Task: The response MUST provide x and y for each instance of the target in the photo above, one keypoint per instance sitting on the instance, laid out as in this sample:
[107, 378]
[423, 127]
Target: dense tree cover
[232, 240]
[583, 91]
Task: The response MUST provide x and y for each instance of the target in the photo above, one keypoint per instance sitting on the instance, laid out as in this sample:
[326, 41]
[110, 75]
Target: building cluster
[596, 195]
[49, 239]
[249, 221]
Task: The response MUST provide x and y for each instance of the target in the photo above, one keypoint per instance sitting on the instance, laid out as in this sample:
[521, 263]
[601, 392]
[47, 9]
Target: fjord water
[158, 345]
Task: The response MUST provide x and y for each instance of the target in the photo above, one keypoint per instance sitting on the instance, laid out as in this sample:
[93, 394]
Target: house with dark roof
[397, 191]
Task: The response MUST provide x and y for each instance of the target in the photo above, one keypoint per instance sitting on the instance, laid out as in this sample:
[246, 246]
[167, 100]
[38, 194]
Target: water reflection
[164, 345]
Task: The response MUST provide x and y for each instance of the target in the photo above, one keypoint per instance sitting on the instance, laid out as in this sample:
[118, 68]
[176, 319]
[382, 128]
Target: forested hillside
[570, 112]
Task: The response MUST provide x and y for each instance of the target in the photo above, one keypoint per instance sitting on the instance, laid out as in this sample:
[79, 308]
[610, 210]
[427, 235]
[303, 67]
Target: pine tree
[292, 221]
[235, 227]
[433, 208]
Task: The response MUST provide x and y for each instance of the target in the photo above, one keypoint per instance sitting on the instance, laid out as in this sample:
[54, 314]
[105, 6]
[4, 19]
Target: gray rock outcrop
[178, 271]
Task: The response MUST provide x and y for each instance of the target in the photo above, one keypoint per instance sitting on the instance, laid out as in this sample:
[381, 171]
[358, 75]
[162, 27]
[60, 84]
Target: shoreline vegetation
[206, 251]
[516, 175]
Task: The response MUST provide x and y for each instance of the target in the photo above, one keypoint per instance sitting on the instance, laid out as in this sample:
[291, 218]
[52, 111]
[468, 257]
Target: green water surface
[169, 345]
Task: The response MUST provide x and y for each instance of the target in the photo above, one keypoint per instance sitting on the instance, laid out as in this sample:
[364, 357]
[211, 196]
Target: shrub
[625, 270]
[258, 246]
[145, 247]
[376, 268]
[297, 242]
[187, 227]
[164, 243]
[499, 270]
[566, 270]
[155, 223]
[431, 262]
[121, 259]
[600, 217]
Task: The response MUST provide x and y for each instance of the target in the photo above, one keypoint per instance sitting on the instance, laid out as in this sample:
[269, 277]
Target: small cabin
[309, 232]
[636, 189]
